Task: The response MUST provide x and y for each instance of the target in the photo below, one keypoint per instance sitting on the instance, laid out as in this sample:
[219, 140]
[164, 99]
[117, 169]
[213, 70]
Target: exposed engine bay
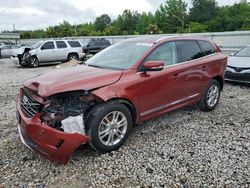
[68, 111]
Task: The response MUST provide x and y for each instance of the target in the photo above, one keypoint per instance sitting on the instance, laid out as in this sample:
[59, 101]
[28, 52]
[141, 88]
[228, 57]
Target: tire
[33, 62]
[23, 59]
[72, 57]
[211, 96]
[105, 134]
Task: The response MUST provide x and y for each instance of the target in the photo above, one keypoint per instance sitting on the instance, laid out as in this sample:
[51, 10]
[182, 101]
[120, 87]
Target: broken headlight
[67, 111]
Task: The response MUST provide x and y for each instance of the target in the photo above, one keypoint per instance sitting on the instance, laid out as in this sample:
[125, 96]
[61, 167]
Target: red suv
[127, 83]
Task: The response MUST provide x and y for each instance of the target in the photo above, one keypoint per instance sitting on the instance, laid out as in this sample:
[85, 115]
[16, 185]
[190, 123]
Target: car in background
[124, 85]
[50, 51]
[7, 51]
[238, 67]
[96, 45]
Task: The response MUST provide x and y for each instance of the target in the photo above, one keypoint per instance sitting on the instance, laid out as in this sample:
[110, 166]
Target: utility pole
[75, 28]
[14, 28]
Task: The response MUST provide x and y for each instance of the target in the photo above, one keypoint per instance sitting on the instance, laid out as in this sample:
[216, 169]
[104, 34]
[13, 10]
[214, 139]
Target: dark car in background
[96, 45]
[238, 67]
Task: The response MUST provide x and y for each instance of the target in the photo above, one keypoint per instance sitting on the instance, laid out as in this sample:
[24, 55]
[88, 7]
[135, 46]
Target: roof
[159, 38]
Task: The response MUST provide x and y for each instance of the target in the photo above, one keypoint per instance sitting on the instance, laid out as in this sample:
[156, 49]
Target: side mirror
[42, 48]
[153, 66]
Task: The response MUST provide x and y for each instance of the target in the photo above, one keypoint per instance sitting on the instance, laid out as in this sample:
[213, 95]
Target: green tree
[128, 22]
[51, 32]
[195, 27]
[231, 18]
[153, 29]
[203, 10]
[102, 22]
[111, 30]
[171, 16]
[145, 19]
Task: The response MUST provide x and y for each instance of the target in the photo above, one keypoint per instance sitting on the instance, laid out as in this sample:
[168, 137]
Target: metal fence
[228, 41]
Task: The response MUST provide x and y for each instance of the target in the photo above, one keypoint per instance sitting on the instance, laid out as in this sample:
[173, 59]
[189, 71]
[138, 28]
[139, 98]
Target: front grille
[237, 76]
[238, 69]
[29, 106]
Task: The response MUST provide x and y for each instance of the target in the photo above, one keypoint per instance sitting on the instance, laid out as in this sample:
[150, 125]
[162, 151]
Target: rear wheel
[211, 96]
[33, 61]
[109, 126]
[72, 57]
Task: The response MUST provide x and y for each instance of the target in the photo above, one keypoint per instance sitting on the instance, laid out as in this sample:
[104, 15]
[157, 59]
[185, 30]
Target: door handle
[176, 74]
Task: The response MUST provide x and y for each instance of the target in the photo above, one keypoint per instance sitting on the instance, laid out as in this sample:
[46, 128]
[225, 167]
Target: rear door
[61, 52]
[193, 69]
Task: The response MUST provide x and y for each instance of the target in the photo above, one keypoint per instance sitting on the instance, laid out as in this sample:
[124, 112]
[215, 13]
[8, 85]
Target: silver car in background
[238, 66]
[6, 51]
[50, 51]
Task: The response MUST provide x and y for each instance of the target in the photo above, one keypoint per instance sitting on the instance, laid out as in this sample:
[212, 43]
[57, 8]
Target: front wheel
[211, 96]
[109, 126]
[33, 62]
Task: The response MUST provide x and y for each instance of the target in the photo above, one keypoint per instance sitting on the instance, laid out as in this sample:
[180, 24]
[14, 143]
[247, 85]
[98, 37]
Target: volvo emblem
[25, 99]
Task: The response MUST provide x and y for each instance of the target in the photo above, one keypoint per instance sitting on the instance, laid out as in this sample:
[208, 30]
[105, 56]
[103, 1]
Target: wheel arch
[128, 104]
[220, 80]
[72, 53]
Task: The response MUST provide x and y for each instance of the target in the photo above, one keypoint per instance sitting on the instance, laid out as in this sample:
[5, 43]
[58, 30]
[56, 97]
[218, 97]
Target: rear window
[188, 50]
[207, 47]
[74, 44]
[61, 44]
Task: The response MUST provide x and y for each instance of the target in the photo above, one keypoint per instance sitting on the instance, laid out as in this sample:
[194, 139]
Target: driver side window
[166, 52]
[48, 45]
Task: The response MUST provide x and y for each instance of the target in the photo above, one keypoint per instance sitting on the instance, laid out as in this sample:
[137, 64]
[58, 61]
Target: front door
[47, 52]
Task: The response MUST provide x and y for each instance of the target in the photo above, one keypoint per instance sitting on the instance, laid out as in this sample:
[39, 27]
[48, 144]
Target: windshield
[244, 52]
[37, 45]
[119, 56]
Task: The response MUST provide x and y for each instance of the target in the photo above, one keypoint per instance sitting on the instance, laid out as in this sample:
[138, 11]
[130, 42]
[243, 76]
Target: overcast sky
[39, 14]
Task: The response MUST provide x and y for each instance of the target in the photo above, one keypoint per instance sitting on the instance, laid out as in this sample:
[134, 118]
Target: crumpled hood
[242, 62]
[79, 77]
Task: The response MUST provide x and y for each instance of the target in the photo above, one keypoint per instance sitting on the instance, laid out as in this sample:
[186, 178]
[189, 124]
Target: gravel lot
[185, 148]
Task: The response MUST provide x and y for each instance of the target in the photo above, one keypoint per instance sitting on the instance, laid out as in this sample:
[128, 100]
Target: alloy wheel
[113, 128]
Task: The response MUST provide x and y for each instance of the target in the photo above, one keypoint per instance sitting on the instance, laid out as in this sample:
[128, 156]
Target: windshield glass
[119, 56]
[245, 52]
[37, 45]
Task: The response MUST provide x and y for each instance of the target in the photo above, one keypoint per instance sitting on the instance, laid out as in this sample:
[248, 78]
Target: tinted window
[48, 45]
[91, 44]
[74, 44]
[166, 52]
[61, 44]
[188, 50]
[207, 47]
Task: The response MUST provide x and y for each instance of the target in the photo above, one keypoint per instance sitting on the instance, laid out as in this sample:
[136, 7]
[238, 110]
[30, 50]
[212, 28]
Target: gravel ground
[185, 148]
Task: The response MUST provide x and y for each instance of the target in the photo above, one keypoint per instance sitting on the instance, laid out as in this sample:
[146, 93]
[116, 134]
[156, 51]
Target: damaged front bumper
[53, 144]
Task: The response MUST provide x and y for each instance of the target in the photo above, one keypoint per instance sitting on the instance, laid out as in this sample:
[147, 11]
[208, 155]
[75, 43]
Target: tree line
[171, 17]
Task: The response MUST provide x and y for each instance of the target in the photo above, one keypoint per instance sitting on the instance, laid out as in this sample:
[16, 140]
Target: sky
[39, 14]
